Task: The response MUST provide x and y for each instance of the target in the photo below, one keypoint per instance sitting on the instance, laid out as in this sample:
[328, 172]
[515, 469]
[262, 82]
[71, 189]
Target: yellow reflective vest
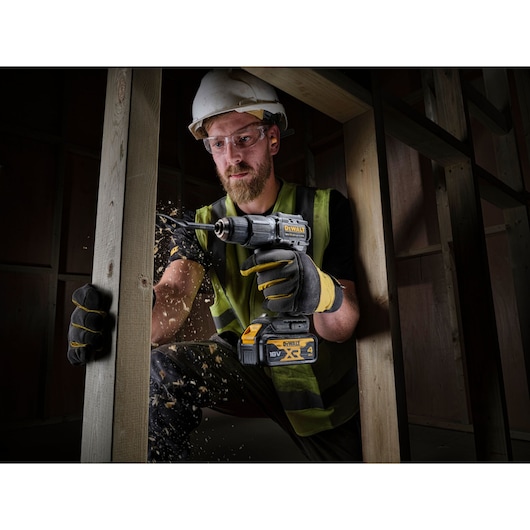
[315, 397]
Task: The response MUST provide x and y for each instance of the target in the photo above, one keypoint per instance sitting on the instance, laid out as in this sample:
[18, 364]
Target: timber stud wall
[442, 135]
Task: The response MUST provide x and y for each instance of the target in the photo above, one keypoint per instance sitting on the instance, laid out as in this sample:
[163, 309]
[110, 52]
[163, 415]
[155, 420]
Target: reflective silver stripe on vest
[300, 400]
[225, 319]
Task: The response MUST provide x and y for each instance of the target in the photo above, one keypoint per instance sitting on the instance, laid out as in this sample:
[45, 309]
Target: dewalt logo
[295, 229]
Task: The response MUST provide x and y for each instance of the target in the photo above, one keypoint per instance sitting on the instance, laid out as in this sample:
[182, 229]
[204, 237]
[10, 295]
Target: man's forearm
[169, 315]
[339, 325]
[175, 293]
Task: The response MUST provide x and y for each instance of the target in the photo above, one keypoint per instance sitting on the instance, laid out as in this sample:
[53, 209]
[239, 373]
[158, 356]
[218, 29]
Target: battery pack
[278, 342]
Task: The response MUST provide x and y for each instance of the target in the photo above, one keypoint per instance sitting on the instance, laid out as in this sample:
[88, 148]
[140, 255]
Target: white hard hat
[229, 90]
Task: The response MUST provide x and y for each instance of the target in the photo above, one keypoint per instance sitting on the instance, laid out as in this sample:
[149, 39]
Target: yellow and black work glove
[292, 283]
[88, 324]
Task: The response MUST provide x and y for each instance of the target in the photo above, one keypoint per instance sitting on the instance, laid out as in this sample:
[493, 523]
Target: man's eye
[218, 144]
[244, 139]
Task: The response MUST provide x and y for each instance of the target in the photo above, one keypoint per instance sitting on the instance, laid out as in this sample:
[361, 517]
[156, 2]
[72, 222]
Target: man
[240, 121]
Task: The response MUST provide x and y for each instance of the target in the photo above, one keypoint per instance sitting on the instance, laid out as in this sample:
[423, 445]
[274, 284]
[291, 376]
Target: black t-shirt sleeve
[339, 255]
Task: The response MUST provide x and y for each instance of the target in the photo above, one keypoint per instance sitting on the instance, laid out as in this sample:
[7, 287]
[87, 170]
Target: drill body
[271, 341]
[277, 230]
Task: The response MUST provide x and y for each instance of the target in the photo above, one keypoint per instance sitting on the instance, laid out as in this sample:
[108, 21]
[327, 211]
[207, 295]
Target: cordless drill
[272, 341]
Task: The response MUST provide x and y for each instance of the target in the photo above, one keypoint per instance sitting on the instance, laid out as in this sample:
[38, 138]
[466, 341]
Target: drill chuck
[253, 231]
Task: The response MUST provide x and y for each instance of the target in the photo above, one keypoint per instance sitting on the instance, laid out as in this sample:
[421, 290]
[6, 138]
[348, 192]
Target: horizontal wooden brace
[415, 130]
[326, 90]
[487, 113]
[498, 193]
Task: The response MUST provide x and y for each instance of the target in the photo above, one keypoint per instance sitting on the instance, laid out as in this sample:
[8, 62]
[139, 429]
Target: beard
[245, 190]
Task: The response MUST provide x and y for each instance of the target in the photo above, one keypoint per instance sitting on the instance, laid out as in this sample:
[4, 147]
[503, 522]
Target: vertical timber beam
[117, 386]
[444, 225]
[483, 362]
[381, 385]
[517, 218]
[522, 84]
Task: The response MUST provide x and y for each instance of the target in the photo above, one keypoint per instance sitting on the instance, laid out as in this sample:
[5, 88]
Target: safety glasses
[247, 137]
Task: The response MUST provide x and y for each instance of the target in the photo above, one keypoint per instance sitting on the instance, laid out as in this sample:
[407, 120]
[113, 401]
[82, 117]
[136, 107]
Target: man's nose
[233, 153]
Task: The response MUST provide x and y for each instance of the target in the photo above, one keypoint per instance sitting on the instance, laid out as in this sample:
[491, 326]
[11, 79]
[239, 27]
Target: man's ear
[274, 139]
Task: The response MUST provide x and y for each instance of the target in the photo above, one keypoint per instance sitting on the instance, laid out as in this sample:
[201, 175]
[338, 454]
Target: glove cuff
[331, 295]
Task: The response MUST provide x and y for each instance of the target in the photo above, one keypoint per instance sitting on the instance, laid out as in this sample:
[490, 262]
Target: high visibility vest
[315, 396]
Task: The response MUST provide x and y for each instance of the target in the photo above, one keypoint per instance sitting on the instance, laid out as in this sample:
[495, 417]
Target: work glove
[292, 283]
[87, 334]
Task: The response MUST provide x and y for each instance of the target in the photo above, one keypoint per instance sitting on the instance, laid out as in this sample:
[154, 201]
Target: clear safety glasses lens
[216, 145]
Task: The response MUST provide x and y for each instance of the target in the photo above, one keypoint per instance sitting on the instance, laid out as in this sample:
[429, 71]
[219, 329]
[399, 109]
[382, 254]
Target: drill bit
[195, 226]
[186, 224]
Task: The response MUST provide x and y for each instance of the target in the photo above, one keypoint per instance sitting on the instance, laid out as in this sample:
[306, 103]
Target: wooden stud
[517, 218]
[497, 92]
[444, 224]
[486, 388]
[117, 386]
[521, 81]
[375, 344]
